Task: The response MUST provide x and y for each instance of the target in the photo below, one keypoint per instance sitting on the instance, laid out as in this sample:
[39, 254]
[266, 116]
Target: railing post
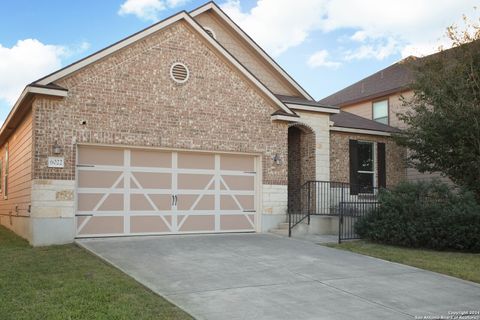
[289, 223]
[309, 202]
[340, 215]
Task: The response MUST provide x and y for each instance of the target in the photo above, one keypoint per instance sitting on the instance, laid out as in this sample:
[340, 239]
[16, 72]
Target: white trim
[208, 29]
[48, 91]
[156, 27]
[278, 117]
[312, 108]
[361, 131]
[186, 69]
[244, 36]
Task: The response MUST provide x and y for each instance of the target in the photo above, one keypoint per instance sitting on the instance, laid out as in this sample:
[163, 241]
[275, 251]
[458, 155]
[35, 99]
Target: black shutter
[353, 153]
[382, 171]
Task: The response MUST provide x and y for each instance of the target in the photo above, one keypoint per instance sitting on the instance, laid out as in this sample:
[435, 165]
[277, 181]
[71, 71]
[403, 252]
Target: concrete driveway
[261, 276]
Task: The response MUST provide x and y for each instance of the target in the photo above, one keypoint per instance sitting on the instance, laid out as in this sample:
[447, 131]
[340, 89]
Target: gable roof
[352, 121]
[215, 8]
[183, 15]
[394, 78]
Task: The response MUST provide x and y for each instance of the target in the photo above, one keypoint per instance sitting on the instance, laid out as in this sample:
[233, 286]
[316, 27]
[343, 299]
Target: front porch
[328, 208]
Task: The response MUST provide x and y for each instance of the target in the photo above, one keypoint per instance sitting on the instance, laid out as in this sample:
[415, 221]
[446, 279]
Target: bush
[424, 214]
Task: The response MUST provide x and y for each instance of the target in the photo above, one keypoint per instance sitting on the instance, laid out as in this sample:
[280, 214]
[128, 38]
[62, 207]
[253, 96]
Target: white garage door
[140, 192]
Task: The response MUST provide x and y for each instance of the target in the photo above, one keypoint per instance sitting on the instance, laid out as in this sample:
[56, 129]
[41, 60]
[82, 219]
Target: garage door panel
[99, 179]
[162, 201]
[246, 202]
[149, 224]
[151, 180]
[100, 225]
[236, 222]
[194, 181]
[163, 192]
[150, 158]
[100, 156]
[207, 202]
[186, 201]
[227, 202]
[190, 160]
[196, 223]
[113, 202]
[139, 202]
[88, 201]
[239, 182]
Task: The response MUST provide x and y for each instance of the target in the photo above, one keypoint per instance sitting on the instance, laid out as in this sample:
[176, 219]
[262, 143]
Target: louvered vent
[179, 72]
[210, 33]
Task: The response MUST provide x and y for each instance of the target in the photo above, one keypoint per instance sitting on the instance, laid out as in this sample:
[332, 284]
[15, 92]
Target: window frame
[374, 165]
[388, 109]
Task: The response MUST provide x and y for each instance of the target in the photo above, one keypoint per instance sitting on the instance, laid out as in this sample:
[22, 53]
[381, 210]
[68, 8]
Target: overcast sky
[324, 44]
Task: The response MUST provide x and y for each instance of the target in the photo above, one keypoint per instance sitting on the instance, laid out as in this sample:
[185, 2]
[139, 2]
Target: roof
[394, 78]
[352, 121]
[303, 101]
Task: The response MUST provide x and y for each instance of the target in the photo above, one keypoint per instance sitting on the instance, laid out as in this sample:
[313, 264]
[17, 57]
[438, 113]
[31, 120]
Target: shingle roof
[350, 120]
[392, 79]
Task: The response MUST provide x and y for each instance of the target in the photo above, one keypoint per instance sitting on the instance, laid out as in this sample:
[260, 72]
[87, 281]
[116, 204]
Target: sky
[325, 45]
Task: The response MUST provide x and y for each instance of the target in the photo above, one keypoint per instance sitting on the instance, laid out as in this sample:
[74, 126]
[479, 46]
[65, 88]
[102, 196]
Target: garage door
[140, 192]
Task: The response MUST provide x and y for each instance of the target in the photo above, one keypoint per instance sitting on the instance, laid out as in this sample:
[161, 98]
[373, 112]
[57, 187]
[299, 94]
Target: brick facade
[129, 99]
[340, 160]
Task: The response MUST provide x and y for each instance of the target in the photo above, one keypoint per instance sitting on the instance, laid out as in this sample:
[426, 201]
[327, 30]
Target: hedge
[424, 215]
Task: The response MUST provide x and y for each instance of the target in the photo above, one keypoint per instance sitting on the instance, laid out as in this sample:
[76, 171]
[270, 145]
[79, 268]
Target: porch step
[280, 232]
[283, 225]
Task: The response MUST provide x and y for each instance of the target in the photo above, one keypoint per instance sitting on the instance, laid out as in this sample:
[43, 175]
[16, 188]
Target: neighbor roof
[352, 121]
[394, 78]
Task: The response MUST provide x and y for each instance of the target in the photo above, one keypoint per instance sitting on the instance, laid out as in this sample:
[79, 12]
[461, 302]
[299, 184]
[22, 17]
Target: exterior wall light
[57, 149]
[276, 159]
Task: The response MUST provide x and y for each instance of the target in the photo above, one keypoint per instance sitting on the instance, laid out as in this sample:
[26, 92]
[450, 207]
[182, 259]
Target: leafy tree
[443, 131]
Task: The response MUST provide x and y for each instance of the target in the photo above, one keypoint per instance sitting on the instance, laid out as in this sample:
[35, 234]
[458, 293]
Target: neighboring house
[187, 126]
[378, 97]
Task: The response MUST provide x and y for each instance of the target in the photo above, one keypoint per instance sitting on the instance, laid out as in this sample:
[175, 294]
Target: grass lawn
[461, 265]
[66, 282]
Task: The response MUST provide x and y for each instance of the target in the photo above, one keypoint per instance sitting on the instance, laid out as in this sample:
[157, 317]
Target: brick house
[187, 126]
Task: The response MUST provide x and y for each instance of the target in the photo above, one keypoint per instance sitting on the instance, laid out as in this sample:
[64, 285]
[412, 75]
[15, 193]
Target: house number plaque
[55, 162]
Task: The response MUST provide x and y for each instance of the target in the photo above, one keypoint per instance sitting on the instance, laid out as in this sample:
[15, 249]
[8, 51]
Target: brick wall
[301, 162]
[340, 160]
[129, 99]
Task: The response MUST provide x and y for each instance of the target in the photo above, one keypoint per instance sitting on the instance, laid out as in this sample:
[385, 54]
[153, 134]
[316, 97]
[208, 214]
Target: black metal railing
[329, 198]
[298, 207]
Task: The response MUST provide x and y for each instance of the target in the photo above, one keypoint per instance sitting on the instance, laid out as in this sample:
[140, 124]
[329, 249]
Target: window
[5, 176]
[380, 111]
[365, 167]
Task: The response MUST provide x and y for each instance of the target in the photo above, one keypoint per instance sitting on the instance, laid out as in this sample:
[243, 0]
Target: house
[379, 97]
[187, 126]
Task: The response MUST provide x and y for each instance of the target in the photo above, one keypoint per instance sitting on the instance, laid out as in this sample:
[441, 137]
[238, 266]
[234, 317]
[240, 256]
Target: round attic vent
[210, 32]
[179, 72]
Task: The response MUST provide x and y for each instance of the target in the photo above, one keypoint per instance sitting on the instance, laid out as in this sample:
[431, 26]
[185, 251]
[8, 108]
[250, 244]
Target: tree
[443, 126]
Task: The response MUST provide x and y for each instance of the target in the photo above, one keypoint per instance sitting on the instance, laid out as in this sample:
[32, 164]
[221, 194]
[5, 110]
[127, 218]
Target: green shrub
[426, 215]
